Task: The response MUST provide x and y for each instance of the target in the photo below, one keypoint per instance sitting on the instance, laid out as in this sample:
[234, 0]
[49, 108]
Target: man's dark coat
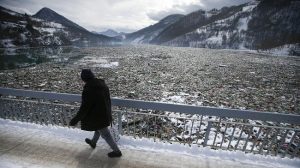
[95, 109]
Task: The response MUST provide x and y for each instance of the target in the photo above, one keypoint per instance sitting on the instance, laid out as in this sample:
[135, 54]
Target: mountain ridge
[45, 28]
[110, 33]
[256, 25]
[52, 16]
[191, 21]
[146, 34]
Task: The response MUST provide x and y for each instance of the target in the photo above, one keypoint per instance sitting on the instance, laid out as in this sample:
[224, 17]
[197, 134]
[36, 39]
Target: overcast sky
[120, 15]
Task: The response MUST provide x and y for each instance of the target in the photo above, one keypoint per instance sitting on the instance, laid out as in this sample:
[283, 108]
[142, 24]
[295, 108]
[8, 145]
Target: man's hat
[87, 74]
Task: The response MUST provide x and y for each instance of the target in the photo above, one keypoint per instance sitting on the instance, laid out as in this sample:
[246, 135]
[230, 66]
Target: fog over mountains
[264, 24]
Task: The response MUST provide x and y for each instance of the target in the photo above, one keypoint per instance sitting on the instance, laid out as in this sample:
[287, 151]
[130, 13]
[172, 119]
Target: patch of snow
[201, 30]
[23, 22]
[284, 50]
[57, 40]
[75, 39]
[208, 15]
[137, 40]
[23, 37]
[49, 30]
[37, 19]
[215, 39]
[97, 62]
[110, 65]
[174, 99]
[123, 37]
[250, 7]
[5, 25]
[243, 24]
[53, 25]
[7, 43]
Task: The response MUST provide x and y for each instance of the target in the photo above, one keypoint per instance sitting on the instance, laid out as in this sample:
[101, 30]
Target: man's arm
[86, 104]
[106, 96]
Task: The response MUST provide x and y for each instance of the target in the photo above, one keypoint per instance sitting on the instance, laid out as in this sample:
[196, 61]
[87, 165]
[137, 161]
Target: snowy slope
[225, 33]
[256, 25]
[54, 30]
[147, 34]
[193, 21]
[259, 25]
[23, 30]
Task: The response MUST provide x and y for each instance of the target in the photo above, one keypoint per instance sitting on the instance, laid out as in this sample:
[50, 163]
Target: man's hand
[73, 122]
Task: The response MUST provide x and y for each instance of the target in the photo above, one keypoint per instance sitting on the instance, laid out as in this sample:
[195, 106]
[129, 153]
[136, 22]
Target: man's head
[86, 75]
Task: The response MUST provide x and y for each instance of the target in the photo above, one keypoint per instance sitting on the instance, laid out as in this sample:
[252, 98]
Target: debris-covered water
[220, 78]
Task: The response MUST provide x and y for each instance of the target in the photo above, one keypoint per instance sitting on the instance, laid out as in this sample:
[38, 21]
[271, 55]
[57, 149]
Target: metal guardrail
[189, 109]
[250, 131]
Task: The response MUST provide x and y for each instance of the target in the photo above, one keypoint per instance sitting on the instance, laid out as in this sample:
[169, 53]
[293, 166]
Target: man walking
[95, 111]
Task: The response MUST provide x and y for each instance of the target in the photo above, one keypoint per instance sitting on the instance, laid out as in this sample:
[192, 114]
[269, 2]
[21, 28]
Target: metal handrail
[279, 135]
[182, 108]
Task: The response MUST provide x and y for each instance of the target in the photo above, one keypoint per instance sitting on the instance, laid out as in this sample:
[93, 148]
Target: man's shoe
[91, 143]
[114, 154]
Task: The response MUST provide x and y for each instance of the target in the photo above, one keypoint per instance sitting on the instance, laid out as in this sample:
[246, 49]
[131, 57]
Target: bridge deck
[26, 145]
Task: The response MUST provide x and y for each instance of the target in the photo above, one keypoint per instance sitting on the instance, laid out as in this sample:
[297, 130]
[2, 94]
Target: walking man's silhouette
[95, 111]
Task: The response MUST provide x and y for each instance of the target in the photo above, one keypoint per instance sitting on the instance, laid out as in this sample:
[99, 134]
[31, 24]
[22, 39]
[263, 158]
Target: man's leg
[92, 142]
[96, 136]
[105, 134]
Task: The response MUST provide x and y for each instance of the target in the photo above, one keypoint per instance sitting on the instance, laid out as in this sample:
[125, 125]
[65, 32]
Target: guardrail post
[2, 108]
[207, 133]
[120, 122]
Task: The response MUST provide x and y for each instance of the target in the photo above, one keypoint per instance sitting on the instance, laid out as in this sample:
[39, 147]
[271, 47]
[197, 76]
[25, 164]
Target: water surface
[14, 58]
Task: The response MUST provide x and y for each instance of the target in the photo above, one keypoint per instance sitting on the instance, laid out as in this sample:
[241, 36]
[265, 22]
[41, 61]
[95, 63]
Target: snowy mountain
[145, 35]
[51, 16]
[273, 24]
[110, 33]
[262, 24]
[215, 29]
[193, 21]
[257, 25]
[46, 28]
[80, 35]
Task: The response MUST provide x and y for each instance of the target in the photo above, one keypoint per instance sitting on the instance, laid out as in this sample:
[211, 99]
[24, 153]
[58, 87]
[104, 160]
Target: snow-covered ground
[74, 137]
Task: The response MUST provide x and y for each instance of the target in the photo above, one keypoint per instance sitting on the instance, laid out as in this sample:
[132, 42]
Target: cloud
[210, 4]
[176, 9]
[120, 15]
[193, 6]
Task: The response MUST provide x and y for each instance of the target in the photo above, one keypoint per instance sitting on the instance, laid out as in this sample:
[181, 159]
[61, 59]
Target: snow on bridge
[34, 146]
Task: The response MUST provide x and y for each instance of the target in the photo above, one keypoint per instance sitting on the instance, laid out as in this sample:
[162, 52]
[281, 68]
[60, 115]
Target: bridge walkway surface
[34, 146]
